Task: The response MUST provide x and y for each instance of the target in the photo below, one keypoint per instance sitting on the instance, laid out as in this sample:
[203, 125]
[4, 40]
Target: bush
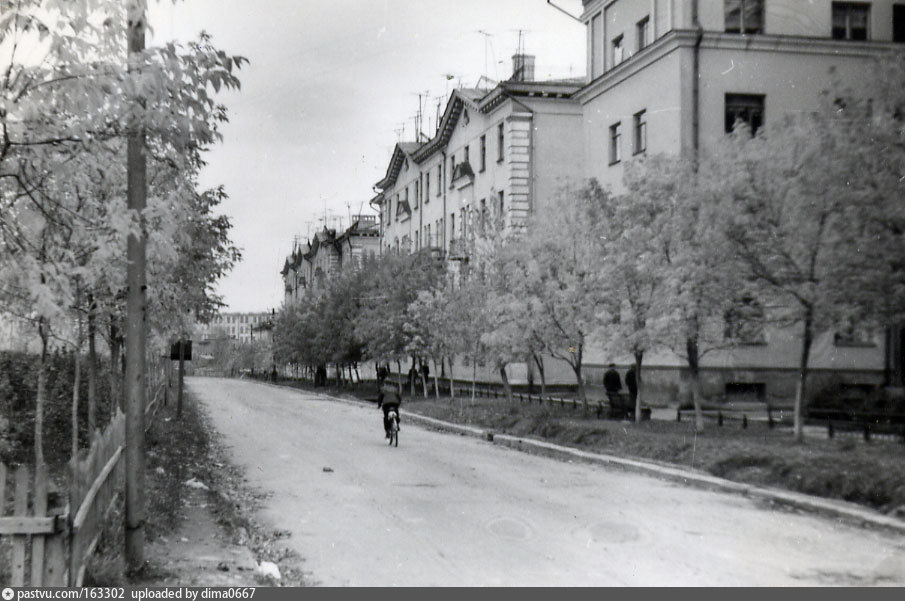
[18, 392]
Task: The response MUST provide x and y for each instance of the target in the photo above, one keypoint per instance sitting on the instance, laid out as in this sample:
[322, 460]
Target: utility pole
[135, 318]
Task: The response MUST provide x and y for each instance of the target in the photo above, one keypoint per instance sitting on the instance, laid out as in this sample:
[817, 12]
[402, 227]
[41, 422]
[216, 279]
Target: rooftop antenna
[487, 37]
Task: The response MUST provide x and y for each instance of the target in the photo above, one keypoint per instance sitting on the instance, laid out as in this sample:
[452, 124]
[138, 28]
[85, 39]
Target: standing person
[632, 384]
[382, 373]
[612, 383]
[426, 370]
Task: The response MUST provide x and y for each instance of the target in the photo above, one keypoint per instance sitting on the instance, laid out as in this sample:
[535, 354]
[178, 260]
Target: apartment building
[673, 76]
[496, 153]
[326, 253]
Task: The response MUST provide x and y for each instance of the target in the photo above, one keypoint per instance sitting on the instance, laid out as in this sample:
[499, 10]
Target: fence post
[770, 417]
[678, 414]
[744, 422]
[866, 432]
[39, 511]
[719, 418]
[829, 429]
[20, 509]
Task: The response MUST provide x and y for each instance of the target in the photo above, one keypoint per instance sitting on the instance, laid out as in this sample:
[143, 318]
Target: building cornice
[686, 38]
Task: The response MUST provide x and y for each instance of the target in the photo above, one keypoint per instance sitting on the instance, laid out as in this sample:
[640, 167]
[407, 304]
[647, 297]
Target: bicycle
[393, 427]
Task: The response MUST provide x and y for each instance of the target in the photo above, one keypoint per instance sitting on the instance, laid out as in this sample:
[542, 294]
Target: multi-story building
[243, 327]
[326, 253]
[673, 76]
[496, 154]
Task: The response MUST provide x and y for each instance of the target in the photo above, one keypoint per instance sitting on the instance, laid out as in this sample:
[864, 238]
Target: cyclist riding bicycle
[389, 400]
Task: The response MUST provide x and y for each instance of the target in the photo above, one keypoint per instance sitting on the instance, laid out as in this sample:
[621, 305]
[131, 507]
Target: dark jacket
[611, 381]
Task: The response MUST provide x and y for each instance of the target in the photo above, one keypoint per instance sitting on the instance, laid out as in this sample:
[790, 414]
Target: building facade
[496, 154]
[243, 327]
[674, 76]
[307, 268]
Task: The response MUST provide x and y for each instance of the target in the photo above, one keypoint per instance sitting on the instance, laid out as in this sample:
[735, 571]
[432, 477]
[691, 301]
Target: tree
[556, 270]
[787, 198]
[685, 244]
[381, 323]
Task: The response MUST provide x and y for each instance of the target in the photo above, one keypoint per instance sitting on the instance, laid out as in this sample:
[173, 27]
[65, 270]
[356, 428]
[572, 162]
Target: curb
[827, 507]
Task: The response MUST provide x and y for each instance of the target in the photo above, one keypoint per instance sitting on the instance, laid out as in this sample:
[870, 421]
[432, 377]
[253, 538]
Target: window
[417, 191]
[407, 195]
[389, 211]
[427, 188]
[850, 20]
[439, 178]
[452, 169]
[596, 45]
[466, 155]
[898, 23]
[501, 203]
[483, 153]
[640, 122]
[744, 16]
[643, 33]
[483, 214]
[452, 226]
[500, 139]
[615, 143]
[618, 50]
[747, 108]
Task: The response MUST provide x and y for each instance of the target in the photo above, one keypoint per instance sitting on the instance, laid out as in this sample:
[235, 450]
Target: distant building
[326, 253]
[236, 326]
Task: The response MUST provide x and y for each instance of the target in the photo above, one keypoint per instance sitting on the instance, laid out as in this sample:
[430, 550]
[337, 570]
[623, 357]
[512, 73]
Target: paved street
[448, 510]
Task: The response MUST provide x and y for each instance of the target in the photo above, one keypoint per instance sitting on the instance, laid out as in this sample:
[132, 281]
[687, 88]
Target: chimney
[522, 67]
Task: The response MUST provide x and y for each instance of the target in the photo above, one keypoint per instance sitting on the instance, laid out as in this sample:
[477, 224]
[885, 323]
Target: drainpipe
[696, 83]
[380, 216]
[443, 169]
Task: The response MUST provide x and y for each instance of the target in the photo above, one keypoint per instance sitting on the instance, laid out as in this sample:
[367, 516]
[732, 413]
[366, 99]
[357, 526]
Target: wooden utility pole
[135, 319]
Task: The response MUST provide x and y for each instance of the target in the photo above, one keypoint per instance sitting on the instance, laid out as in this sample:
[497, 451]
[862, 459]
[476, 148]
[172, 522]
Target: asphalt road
[448, 510]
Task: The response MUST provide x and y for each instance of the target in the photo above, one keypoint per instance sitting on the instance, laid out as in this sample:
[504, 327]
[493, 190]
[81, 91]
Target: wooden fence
[38, 536]
[51, 546]
[94, 480]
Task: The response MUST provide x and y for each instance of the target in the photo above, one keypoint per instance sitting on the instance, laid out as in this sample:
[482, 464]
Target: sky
[329, 87]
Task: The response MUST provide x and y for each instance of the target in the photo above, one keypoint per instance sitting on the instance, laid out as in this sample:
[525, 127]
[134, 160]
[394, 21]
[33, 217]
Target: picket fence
[51, 545]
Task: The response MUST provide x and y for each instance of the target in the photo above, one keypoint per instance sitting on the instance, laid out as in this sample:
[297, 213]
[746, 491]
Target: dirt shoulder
[201, 528]
[847, 469]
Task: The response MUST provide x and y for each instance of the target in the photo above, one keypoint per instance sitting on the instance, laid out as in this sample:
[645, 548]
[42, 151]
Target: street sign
[174, 351]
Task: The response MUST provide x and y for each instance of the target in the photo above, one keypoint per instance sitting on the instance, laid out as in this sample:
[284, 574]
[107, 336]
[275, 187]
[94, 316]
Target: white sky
[330, 82]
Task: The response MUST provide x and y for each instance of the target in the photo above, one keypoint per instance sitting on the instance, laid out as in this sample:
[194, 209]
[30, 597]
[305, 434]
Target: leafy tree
[697, 283]
[787, 199]
[556, 269]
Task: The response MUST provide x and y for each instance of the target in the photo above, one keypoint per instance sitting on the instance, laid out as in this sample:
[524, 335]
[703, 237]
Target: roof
[476, 99]
[401, 151]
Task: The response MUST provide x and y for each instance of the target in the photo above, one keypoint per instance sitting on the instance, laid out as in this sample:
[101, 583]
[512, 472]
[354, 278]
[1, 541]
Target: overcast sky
[329, 84]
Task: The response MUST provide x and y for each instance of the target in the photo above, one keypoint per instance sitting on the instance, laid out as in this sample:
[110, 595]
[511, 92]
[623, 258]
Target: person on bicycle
[389, 399]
